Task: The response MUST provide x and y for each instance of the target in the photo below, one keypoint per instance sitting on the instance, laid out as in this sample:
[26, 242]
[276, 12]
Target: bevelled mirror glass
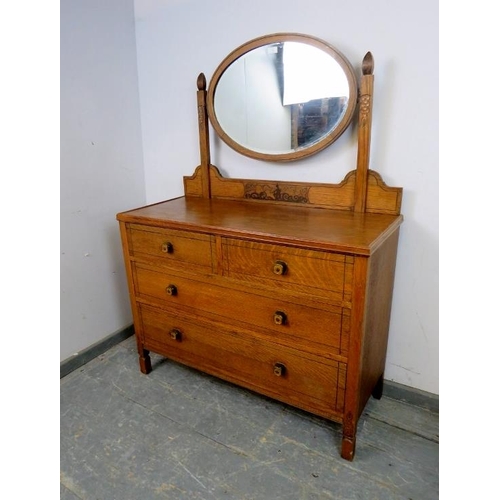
[282, 97]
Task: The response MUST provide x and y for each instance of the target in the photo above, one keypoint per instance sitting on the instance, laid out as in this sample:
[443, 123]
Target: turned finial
[201, 82]
[368, 64]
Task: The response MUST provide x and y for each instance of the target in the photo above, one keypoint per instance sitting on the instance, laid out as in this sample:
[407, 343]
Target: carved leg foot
[348, 437]
[144, 361]
[348, 448]
[379, 388]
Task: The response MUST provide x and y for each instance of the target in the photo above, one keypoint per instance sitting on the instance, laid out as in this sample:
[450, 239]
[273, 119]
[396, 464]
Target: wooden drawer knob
[279, 369]
[171, 290]
[280, 267]
[279, 318]
[167, 247]
[176, 334]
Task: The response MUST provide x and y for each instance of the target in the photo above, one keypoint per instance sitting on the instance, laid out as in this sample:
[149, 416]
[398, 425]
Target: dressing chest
[284, 288]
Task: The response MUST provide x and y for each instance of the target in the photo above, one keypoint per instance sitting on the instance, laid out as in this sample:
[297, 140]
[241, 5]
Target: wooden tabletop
[317, 228]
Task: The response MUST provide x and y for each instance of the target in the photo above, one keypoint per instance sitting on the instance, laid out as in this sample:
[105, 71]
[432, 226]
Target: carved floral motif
[293, 194]
[364, 107]
[201, 114]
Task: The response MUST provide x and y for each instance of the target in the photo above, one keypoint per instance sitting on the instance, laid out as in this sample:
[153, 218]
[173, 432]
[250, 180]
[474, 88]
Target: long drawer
[314, 384]
[312, 272]
[283, 321]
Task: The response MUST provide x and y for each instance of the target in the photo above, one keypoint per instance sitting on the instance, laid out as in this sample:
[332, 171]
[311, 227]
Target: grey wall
[101, 166]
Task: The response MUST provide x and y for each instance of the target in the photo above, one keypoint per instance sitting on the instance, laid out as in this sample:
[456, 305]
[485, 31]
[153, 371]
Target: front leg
[144, 360]
[348, 437]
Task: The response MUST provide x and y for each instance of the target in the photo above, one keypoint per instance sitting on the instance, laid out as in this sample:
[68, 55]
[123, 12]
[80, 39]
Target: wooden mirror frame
[362, 190]
[303, 152]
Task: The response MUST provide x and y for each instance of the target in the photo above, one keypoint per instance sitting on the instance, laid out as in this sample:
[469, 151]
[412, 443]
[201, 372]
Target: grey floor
[180, 434]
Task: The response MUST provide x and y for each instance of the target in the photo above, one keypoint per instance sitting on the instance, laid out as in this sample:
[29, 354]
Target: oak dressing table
[284, 288]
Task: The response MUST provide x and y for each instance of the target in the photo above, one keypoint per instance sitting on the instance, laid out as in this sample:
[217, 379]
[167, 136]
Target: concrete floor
[180, 434]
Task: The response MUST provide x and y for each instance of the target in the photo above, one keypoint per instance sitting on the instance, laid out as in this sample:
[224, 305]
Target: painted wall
[101, 166]
[178, 39]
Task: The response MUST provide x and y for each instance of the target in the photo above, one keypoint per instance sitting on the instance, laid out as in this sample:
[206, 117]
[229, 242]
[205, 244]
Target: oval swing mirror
[282, 97]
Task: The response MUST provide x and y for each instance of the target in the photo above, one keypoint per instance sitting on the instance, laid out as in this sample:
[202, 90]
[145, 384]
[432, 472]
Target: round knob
[279, 318]
[171, 290]
[279, 369]
[167, 247]
[176, 334]
[279, 267]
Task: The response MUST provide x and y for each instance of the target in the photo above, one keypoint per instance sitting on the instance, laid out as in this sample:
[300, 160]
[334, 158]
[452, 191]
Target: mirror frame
[304, 152]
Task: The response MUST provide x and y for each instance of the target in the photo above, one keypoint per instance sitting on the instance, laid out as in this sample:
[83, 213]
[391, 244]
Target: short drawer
[171, 246]
[284, 321]
[295, 270]
[309, 383]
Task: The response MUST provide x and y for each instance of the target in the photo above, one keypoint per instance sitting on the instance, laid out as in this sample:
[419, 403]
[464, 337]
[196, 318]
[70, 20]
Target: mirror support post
[204, 137]
[364, 133]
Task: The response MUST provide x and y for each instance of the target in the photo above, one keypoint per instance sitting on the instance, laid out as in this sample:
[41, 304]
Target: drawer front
[312, 384]
[285, 322]
[170, 246]
[318, 273]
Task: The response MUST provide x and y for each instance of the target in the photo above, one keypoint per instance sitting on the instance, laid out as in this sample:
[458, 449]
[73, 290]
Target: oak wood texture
[309, 383]
[221, 303]
[144, 358]
[272, 39]
[201, 96]
[380, 198]
[332, 299]
[320, 274]
[303, 227]
[170, 247]
[364, 133]
[282, 287]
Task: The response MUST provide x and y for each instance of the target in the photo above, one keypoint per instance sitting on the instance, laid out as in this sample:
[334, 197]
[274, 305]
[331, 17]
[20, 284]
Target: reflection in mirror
[283, 97]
